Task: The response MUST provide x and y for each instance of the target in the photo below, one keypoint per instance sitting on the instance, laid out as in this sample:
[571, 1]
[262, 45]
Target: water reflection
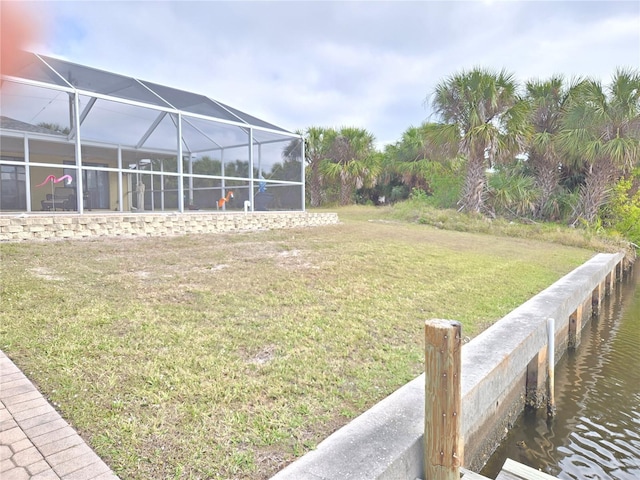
[596, 432]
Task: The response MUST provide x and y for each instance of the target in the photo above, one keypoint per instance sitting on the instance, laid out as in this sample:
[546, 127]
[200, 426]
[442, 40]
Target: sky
[369, 64]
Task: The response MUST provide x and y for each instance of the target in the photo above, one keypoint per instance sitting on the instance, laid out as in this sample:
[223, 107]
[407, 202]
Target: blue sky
[365, 64]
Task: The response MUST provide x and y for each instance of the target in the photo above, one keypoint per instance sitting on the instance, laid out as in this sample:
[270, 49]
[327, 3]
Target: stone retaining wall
[73, 226]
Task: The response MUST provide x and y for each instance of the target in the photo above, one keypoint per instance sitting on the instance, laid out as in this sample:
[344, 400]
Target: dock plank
[469, 475]
[512, 470]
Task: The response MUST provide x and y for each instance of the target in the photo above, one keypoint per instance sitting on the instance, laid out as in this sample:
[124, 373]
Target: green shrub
[398, 192]
[621, 215]
[512, 193]
[418, 195]
[445, 182]
[560, 206]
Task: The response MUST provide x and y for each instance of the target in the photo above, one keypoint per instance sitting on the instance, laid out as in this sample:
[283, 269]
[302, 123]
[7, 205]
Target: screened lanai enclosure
[74, 138]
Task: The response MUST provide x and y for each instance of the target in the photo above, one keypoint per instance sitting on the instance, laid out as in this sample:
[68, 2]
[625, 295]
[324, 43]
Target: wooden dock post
[575, 328]
[596, 298]
[443, 447]
[611, 281]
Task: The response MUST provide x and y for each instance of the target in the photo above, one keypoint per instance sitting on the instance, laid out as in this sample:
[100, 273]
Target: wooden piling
[575, 327]
[443, 447]
[596, 298]
[536, 389]
[610, 281]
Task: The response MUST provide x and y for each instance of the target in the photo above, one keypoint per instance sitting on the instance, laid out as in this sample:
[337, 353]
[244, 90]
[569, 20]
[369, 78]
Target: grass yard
[228, 356]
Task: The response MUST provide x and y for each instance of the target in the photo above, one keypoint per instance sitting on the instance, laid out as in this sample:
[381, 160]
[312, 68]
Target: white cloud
[368, 64]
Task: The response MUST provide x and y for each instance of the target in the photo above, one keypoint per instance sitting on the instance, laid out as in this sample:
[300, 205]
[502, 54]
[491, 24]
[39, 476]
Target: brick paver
[35, 442]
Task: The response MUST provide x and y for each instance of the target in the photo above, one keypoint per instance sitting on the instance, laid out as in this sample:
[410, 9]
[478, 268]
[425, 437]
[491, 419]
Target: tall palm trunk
[346, 190]
[315, 187]
[547, 177]
[594, 192]
[474, 184]
[547, 180]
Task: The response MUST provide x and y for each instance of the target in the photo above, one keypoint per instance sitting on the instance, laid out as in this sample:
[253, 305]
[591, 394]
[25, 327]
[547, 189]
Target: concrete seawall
[502, 369]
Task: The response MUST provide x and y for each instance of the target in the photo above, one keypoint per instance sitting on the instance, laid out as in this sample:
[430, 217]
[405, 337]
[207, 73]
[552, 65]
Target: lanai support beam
[83, 115]
[150, 130]
[180, 169]
[79, 180]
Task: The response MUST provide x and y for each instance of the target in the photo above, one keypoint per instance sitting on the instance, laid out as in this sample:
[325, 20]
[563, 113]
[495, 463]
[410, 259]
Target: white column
[79, 182]
[251, 182]
[120, 195]
[27, 173]
[302, 158]
[180, 169]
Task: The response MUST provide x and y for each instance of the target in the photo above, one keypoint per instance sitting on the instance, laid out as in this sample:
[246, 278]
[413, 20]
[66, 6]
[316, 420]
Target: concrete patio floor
[35, 441]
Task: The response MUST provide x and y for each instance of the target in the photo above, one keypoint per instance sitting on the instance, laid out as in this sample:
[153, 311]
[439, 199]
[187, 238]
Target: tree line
[544, 150]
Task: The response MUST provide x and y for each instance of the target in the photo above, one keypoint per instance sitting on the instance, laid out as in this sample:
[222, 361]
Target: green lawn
[227, 356]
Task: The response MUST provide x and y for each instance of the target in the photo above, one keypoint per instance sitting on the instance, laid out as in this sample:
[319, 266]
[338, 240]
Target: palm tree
[318, 142]
[353, 161]
[484, 120]
[412, 157]
[512, 193]
[548, 101]
[56, 127]
[602, 131]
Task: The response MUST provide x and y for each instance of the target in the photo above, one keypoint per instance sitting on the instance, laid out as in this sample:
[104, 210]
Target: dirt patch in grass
[228, 356]
[45, 274]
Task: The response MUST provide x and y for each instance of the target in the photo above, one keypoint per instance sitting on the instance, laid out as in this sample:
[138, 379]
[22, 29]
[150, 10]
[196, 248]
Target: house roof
[61, 73]
[122, 110]
[7, 123]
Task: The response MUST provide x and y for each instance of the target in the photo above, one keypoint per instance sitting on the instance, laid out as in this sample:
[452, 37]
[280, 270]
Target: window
[13, 191]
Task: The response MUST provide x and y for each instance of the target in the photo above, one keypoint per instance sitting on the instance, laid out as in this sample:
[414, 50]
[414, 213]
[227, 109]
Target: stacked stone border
[74, 226]
[503, 369]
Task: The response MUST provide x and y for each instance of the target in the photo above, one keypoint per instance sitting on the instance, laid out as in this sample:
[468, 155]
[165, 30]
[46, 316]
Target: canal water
[596, 431]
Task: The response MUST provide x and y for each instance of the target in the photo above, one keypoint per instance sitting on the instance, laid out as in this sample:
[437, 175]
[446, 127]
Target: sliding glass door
[96, 186]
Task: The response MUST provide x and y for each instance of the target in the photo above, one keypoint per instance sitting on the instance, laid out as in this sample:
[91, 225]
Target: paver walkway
[35, 442]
